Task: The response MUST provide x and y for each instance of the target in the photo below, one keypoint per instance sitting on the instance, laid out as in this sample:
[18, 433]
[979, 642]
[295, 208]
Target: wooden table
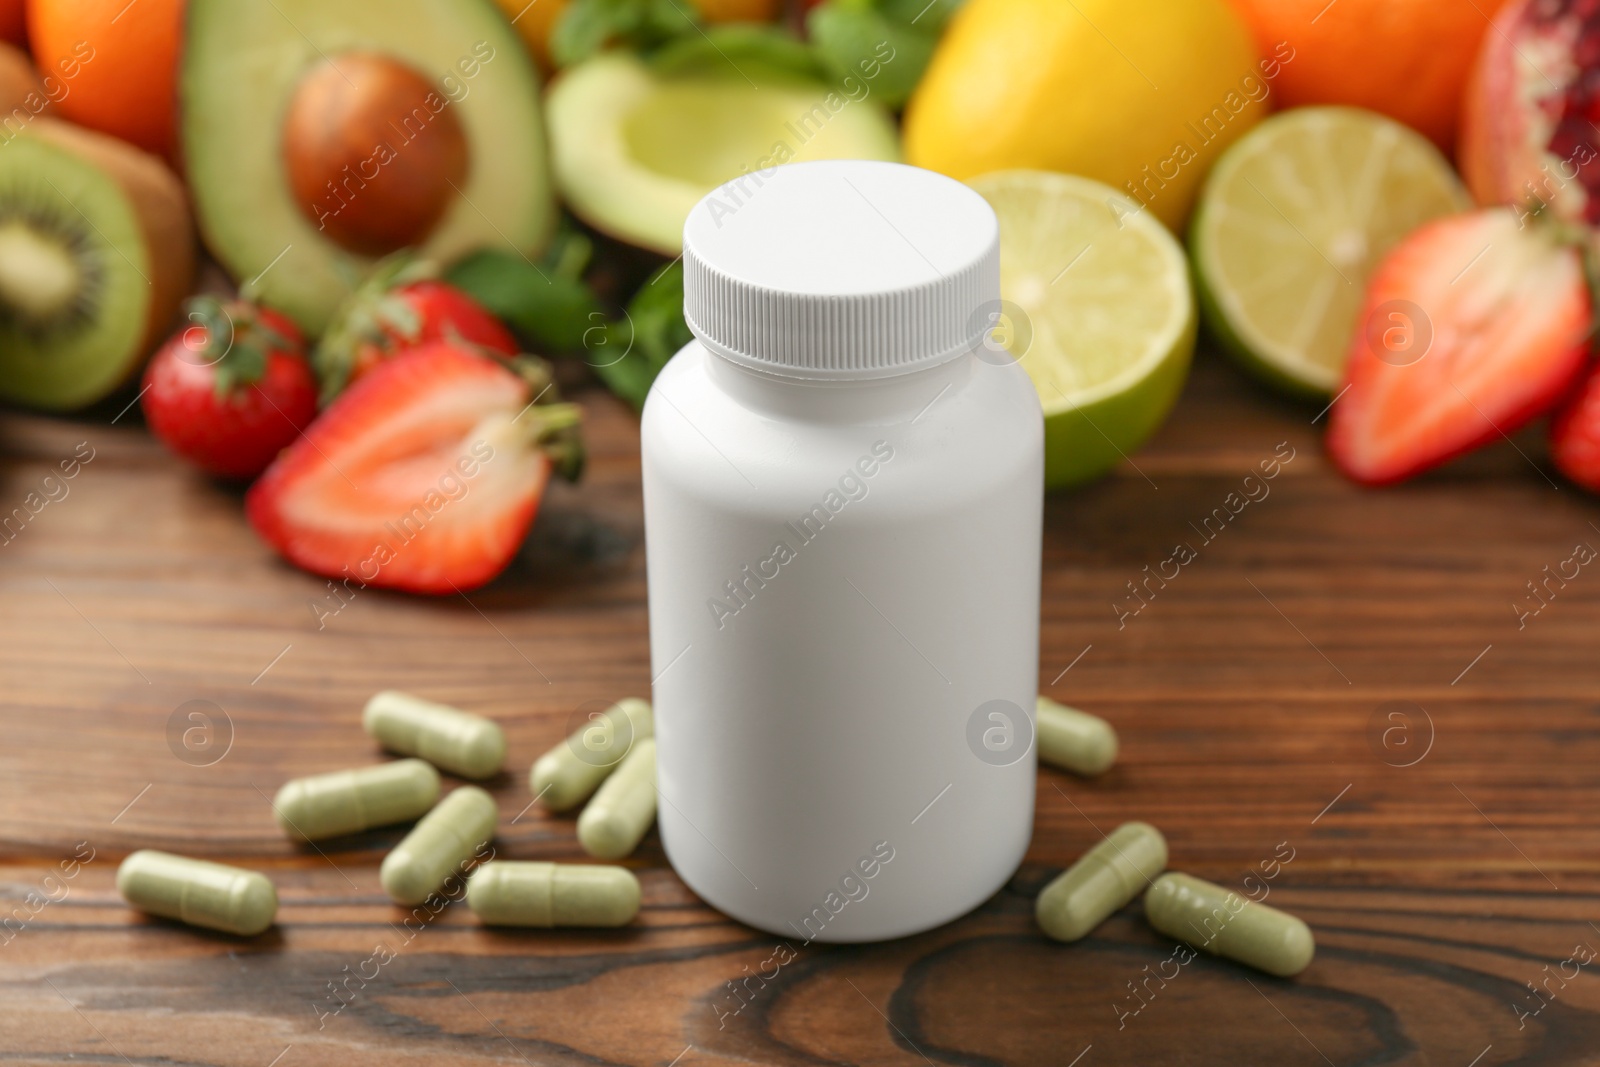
[1339, 682]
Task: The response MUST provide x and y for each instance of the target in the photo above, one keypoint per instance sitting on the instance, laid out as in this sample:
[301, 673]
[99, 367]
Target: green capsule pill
[213, 895]
[614, 822]
[1224, 923]
[344, 802]
[439, 846]
[506, 893]
[1074, 739]
[468, 745]
[1103, 880]
[565, 776]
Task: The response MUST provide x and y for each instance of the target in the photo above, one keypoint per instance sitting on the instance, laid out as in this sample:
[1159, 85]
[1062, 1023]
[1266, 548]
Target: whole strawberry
[232, 389]
[400, 306]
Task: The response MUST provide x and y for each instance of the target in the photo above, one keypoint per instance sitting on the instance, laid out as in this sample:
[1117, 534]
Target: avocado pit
[374, 152]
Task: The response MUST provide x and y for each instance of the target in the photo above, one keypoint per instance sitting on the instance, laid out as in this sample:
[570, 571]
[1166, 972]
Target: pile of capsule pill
[1134, 856]
[616, 767]
[614, 770]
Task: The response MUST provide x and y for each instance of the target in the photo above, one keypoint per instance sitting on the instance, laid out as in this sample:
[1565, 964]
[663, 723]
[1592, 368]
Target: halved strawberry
[1575, 434]
[423, 476]
[1471, 327]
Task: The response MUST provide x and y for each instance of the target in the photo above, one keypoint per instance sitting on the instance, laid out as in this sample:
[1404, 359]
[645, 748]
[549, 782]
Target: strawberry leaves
[233, 340]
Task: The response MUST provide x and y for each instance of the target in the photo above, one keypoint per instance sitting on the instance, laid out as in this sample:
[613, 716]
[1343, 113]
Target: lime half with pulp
[1293, 219]
[1108, 321]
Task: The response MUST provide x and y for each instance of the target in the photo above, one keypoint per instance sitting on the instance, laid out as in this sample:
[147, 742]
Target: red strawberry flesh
[1508, 314]
[424, 475]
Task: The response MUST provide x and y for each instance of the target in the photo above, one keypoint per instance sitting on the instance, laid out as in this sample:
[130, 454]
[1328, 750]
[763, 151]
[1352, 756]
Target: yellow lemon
[1141, 96]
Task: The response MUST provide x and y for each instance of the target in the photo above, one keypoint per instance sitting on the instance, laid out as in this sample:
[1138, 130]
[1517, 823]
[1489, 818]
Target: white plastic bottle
[843, 490]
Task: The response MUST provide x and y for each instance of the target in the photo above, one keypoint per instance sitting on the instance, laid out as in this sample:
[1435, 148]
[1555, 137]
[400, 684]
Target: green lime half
[1293, 219]
[1105, 292]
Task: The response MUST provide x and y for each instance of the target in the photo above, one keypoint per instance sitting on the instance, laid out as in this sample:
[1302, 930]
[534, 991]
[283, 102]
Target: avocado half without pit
[634, 148]
[319, 136]
[96, 252]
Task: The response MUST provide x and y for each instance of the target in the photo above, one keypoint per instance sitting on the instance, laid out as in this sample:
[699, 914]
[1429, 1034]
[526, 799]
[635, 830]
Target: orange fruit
[119, 62]
[1408, 59]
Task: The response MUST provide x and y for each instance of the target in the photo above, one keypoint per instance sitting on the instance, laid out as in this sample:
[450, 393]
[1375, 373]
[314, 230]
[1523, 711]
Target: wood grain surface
[1353, 678]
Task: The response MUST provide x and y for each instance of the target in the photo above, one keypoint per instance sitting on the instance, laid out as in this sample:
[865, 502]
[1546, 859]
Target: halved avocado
[634, 150]
[249, 66]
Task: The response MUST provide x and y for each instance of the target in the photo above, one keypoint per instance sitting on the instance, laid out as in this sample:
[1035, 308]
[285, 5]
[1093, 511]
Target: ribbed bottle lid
[841, 269]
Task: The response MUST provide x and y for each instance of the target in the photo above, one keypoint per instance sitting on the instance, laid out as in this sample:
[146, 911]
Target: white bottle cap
[841, 269]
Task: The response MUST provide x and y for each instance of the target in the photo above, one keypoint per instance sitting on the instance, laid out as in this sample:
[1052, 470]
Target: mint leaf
[861, 45]
[547, 309]
[650, 334]
[739, 49]
[587, 26]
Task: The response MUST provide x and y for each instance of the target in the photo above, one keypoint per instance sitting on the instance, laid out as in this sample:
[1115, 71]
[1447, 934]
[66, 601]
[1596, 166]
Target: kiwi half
[96, 252]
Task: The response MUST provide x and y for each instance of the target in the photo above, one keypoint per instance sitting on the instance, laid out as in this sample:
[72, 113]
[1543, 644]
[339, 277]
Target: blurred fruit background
[355, 232]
